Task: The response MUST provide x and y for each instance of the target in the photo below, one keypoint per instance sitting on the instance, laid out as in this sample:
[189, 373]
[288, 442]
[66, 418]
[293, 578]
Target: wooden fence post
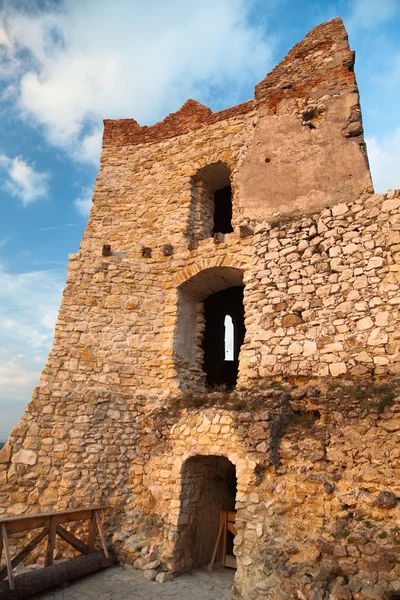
[8, 557]
[51, 541]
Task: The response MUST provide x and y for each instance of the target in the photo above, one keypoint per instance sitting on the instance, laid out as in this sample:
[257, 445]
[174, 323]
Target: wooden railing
[51, 525]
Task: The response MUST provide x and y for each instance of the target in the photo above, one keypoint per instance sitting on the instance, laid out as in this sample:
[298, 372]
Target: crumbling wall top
[321, 63]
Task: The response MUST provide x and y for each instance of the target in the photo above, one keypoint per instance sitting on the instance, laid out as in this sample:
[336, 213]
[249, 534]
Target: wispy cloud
[370, 14]
[140, 59]
[52, 228]
[83, 203]
[22, 180]
[29, 303]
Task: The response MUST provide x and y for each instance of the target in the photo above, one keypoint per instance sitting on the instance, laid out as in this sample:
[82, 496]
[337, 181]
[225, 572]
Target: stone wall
[311, 427]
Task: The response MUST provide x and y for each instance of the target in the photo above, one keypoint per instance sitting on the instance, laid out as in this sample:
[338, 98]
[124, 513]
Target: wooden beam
[24, 552]
[92, 532]
[38, 521]
[72, 540]
[224, 536]
[8, 557]
[220, 531]
[99, 527]
[57, 575]
[51, 541]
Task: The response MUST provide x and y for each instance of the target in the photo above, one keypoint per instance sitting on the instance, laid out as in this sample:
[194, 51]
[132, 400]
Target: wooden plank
[100, 528]
[219, 536]
[231, 528]
[224, 540]
[29, 522]
[72, 540]
[52, 513]
[92, 532]
[11, 584]
[25, 551]
[51, 541]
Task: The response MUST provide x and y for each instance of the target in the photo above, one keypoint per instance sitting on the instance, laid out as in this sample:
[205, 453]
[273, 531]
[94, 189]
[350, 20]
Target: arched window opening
[210, 328]
[219, 369]
[229, 338]
[211, 202]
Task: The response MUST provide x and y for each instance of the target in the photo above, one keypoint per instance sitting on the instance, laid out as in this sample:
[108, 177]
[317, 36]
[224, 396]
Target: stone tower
[261, 220]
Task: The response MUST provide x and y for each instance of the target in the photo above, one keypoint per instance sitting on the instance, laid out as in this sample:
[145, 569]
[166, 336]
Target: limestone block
[163, 577]
[389, 205]
[291, 320]
[377, 337]
[154, 564]
[339, 209]
[112, 302]
[337, 369]
[150, 574]
[365, 323]
[295, 349]
[25, 457]
[5, 454]
[310, 348]
[374, 263]
[382, 318]
[363, 357]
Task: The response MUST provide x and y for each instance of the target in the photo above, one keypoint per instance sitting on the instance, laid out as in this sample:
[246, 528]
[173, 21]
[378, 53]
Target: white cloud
[23, 181]
[29, 303]
[384, 158]
[369, 14]
[80, 62]
[83, 203]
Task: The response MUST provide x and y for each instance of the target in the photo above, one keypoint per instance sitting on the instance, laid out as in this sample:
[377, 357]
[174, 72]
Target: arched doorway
[208, 486]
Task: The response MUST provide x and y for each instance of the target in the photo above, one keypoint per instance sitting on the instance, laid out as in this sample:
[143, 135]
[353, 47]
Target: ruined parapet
[307, 259]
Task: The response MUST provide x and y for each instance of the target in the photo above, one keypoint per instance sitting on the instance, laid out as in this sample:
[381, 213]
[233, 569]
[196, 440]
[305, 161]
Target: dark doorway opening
[209, 484]
[221, 367]
[223, 210]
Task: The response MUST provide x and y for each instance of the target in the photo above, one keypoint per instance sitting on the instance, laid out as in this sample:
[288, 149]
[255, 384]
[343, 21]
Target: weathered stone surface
[150, 574]
[386, 500]
[163, 577]
[122, 415]
[291, 321]
[25, 457]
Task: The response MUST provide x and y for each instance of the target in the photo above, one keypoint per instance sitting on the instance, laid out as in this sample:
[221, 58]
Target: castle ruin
[263, 213]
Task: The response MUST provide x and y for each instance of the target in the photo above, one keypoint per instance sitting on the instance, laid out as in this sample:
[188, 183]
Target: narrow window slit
[229, 338]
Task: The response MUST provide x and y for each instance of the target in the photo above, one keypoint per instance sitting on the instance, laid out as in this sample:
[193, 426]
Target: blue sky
[67, 64]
